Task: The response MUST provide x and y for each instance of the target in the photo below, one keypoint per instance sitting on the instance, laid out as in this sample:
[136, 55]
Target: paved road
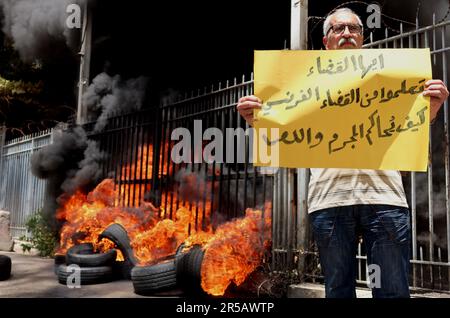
[34, 277]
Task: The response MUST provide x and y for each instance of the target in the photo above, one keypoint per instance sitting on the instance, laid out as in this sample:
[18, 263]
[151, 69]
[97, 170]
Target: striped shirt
[342, 187]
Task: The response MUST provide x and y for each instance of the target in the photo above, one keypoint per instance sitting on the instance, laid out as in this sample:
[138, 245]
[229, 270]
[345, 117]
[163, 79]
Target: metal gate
[140, 146]
[21, 193]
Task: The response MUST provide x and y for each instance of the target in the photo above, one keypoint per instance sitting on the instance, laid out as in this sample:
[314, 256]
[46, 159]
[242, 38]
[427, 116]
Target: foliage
[42, 236]
[17, 88]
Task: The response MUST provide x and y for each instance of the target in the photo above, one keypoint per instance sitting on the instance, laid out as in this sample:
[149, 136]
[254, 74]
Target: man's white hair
[326, 24]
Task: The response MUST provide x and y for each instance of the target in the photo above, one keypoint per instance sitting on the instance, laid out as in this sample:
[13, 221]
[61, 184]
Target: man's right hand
[246, 105]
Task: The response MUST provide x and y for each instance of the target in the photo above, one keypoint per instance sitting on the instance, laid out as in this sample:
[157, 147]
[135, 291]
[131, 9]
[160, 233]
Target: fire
[235, 251]
[200, 238]
[162, 239]
[151, 237]
[86, 216]
[167, 235]
[139, 170]
[142, 166]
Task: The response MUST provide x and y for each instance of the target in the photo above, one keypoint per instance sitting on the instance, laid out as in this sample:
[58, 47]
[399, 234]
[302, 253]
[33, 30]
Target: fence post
[85, 62]
[2, 145]
[30, 187]
[302, 219]
[299, 41]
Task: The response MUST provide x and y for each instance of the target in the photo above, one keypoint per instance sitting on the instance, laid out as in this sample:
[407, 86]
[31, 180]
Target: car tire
[5, 267]
[188, 270]
[151, 279]
[60, 259]
[119, 236]
[88, 275]
[83, 255]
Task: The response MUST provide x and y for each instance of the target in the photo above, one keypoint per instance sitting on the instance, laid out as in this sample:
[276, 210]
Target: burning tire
[83, 248]
[117, 233]
[5, 267]
[88, 275]
[60, 259]
[151, 279]
[188, 271]
[84, 256]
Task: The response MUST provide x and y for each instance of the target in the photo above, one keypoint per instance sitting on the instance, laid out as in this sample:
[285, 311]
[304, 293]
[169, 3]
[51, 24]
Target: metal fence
[235, 183]
[21, 193]
[129, 142]
[140, 147]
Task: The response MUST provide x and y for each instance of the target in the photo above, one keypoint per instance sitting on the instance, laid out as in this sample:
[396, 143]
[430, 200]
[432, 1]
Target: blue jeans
[386, 235]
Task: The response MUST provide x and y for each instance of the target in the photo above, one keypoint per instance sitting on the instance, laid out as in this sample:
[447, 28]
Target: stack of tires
[94, 268]
[182, 270]
[60, 259]
[5, 267]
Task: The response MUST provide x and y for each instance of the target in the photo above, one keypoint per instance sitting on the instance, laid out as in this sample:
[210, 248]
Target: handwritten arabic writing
[358, 109]
[354, 96]
[343, 65]
[358, 132]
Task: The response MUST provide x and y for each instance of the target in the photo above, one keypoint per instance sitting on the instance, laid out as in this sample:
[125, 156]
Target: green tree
[43, 238]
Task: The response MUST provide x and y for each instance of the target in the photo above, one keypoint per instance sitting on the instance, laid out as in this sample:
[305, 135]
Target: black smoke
[38, 28]
[108, 95]
[70, 163]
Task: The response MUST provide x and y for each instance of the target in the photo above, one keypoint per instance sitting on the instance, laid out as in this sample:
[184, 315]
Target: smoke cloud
[110, 94]
[89, 169]
[71, 162]
[36, 26]
[193, 185]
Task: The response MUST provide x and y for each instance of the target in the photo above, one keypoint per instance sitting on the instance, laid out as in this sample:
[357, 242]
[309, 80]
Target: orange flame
[151, 237]
[232, 252]
[86, 217]
[235, 251]
[139, 170]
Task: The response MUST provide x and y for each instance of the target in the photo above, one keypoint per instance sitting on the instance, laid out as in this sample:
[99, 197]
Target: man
[345, 202]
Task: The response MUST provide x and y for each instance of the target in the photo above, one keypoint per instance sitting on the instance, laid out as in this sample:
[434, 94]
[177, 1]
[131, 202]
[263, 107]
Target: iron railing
[141, 161]
[21, 193]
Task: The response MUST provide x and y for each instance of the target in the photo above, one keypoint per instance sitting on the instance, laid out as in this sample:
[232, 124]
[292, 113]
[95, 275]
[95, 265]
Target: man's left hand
[438, 93]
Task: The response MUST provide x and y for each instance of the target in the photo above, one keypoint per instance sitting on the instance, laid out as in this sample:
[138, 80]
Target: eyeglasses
[339, 28]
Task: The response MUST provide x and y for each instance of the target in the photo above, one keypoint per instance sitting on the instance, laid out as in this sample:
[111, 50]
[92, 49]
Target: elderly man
[344, 203]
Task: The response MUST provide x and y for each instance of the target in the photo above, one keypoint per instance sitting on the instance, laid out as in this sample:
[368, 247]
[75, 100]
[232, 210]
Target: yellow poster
[359, 109]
